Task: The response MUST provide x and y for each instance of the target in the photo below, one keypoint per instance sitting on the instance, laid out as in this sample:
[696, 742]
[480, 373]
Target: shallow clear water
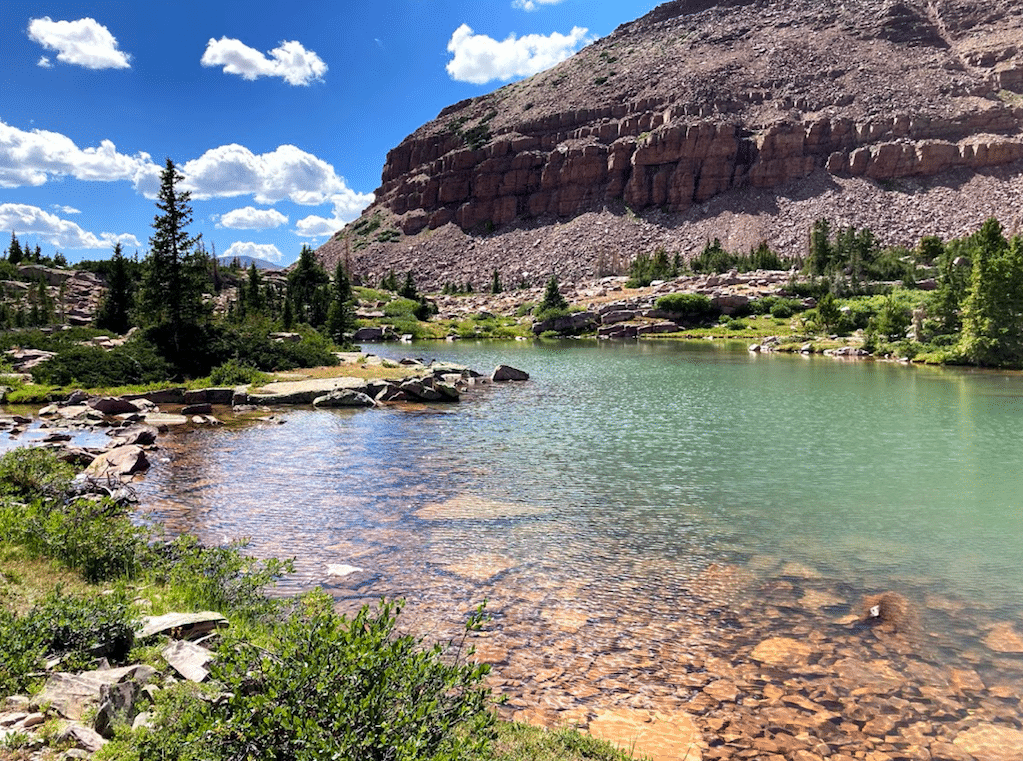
[609, 485]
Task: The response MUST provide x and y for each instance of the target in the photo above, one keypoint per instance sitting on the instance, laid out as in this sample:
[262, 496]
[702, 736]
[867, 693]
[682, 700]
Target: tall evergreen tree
[992, 319]
[115, 312]
[552, 298]
[305, 289]
[14, 252]
[341, 314]
[175, 272]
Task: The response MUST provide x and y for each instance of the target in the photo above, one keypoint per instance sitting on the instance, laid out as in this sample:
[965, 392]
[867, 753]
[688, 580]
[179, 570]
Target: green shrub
[136, 362]
[75, 629]
[687, 307]
[400, 307]
[94, 537]
[326, 687]
[552, 313]
[734, 324]
[219, 578]
[234, 373]
[525, 308]
[27, 473]
[783, 309]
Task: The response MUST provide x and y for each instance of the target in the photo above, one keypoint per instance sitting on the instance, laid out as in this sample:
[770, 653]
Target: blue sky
[279, 114]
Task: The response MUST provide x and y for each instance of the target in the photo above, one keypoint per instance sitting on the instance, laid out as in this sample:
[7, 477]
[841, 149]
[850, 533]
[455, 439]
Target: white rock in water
[341, 569]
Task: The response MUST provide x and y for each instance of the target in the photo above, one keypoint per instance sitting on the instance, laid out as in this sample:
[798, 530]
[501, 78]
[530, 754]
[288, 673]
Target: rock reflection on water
[662, 639]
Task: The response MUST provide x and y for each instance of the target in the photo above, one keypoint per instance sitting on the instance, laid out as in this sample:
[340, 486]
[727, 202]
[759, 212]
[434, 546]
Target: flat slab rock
[303, 391]
[182, 625]
[71, 695]
[188, 659]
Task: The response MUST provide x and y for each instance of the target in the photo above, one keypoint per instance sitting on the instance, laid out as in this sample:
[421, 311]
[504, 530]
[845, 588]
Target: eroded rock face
[700, 99]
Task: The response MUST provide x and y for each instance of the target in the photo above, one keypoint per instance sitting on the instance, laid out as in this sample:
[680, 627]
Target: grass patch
[521, 742]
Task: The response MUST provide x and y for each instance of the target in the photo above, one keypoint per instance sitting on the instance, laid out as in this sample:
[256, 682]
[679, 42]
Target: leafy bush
[75, 629]
[136, 362]
[234, 373]
[33, 473]
[219, 578]
[327, 687]
[95, 538]
[526, 307]
[687, 307]
[92, 537]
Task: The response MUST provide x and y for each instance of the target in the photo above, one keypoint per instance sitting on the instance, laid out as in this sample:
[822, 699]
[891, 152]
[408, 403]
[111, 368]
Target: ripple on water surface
[642, 520]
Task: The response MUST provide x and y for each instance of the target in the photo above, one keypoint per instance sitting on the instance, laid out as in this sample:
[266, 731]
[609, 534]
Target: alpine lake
[697, 550]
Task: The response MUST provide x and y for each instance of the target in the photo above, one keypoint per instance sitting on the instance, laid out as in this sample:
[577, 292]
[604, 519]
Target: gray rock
[113, 405]
[82, 737]
[617, 315]
[70, 695]
[116, 706]
[344, 398]
[182, 625]
[508, 373]
[188, 659]
[139, 434]
[369, 334]
[203, 408]
[120, 461]
[213, 395]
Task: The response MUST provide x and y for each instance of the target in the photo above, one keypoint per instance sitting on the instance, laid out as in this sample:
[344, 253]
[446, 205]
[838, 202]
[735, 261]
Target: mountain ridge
[737, 119]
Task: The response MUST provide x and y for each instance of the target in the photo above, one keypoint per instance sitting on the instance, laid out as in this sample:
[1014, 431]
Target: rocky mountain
[744, 120]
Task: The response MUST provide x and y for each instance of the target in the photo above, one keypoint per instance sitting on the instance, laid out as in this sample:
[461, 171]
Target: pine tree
[175, 272]
[495, 283]
[341, 314]
[408, 288]
[305, 286]
[115, 312]
[552, 298]
[253, 294]
[14, 252]
[991, 319]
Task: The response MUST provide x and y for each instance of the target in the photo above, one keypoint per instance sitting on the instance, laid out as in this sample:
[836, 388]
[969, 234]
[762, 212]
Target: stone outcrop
[698, 101]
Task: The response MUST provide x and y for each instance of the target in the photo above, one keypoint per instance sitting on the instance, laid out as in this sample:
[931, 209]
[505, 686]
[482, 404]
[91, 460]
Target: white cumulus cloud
[290, 61]
[347, 206]
[23, 219]
[286, 172]
[479, 59]
[31, 158]
[44, 63]
[532, 5]
[84, 42]
[267, 251]
[65, 209]
[251, 218]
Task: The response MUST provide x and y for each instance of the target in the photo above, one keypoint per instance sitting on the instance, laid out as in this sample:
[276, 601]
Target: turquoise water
[644, 519]
[877, 474]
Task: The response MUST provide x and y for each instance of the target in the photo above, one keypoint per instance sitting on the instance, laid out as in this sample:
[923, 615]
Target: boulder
[120, 461]
[214, 395]
[113, 405]
[344, 397]
[72, 695]
[139, 434]
[203, 408]
[508, 373]
[368, 334]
